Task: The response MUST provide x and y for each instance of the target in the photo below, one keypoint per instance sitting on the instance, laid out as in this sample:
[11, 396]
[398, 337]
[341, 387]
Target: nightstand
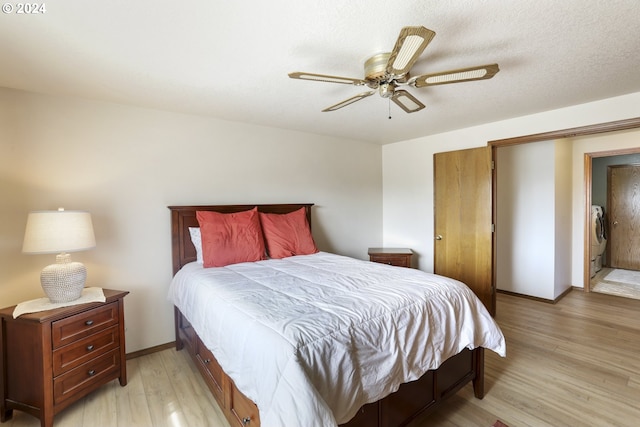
[52, 358]
[400, 257]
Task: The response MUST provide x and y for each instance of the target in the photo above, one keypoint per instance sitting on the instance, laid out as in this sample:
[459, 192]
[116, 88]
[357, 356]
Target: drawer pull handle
[91, 372]
[89, 322]
[90, 347]
[207, 361]
[246, 421]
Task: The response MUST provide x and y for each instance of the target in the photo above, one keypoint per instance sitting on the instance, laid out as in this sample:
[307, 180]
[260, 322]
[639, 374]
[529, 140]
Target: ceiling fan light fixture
[386, 90]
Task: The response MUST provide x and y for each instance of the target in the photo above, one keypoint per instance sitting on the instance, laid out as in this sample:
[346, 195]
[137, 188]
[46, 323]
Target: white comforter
[312, 338]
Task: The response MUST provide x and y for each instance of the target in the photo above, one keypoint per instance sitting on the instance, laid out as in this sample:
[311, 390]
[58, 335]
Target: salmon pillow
[230, 238]
[287, 234]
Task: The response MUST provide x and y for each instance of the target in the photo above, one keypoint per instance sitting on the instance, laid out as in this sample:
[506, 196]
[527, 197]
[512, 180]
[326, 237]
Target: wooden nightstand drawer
[79, 352]
[398, 261]
[399, 257]
[89, 375]
[79, 326]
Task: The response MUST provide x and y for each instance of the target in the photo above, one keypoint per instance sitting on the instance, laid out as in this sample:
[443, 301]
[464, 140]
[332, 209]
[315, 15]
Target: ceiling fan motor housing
[375, 68]
[376, 76]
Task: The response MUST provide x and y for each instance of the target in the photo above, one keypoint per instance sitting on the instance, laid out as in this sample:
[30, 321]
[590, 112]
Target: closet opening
[573, 134]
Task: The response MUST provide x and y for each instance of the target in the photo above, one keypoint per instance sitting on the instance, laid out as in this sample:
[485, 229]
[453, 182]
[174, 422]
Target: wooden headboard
[183, 217]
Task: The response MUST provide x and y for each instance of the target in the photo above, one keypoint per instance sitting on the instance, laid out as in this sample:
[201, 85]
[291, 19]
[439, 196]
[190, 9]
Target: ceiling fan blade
[327, 78]
[410, 44]
[349, 101]
[406, 101]
[455, 76]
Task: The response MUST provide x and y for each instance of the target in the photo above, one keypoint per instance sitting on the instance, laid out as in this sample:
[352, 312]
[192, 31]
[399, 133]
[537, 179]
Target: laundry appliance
[598, 238]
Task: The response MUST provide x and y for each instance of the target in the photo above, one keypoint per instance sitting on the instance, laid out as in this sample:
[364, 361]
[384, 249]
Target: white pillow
[196, 239]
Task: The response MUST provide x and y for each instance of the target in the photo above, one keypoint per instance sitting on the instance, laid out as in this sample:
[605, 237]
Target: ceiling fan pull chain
[389, 108]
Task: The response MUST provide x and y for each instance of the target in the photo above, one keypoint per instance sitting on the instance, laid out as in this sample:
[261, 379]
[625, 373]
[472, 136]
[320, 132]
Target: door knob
[615, 222]
[438, 237]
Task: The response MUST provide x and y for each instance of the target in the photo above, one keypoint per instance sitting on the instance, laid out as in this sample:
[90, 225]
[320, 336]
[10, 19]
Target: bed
[300, 374]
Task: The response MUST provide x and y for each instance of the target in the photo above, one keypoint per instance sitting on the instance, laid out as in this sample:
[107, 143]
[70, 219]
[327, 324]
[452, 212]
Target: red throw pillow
[230, 238]
[287, 234]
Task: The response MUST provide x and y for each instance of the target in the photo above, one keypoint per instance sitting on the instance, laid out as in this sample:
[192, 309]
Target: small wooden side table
[50, 359]
[399, 257]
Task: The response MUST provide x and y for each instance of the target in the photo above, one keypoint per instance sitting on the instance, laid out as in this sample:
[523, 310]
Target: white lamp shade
[58, 231]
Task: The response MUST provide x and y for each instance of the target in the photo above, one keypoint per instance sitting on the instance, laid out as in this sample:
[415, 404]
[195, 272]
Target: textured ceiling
[231, 59]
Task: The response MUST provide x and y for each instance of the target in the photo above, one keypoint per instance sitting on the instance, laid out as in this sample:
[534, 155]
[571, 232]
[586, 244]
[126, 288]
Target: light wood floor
[575, 363]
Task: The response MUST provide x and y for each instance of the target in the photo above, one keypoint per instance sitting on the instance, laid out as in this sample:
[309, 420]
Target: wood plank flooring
[575, 363]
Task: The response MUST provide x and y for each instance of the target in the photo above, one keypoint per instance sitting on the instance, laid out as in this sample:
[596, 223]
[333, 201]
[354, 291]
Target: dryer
[598, 238]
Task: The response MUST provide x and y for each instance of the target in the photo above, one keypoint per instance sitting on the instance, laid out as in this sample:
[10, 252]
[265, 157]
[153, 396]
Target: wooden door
[623, 204]
[463, 220]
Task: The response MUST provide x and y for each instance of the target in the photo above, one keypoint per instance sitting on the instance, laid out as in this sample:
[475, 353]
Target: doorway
[614, 177]
[608, 128]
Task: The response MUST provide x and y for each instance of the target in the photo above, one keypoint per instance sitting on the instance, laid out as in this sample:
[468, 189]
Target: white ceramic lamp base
[63, 281]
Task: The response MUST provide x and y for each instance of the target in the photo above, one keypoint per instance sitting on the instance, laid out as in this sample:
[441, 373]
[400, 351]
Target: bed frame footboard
[425, 395]
[412, 399]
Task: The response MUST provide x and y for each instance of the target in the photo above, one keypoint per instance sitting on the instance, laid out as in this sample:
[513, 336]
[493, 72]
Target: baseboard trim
[565, 293]
[545, 300]
[150, 350]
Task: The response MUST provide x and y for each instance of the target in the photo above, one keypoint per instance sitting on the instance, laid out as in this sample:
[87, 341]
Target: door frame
[614, 126]
[588, 159]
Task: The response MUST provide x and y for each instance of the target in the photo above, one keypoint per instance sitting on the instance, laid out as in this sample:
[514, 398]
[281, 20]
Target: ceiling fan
[386, 72]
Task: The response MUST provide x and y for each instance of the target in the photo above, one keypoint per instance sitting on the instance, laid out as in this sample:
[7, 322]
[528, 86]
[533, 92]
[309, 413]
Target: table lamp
[60, 232]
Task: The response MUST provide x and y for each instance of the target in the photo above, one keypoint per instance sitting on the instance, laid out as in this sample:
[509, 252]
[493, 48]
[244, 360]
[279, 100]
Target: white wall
[125, 165]
[408, 171]
[563, 217]
[533, 215]
[525, 215]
